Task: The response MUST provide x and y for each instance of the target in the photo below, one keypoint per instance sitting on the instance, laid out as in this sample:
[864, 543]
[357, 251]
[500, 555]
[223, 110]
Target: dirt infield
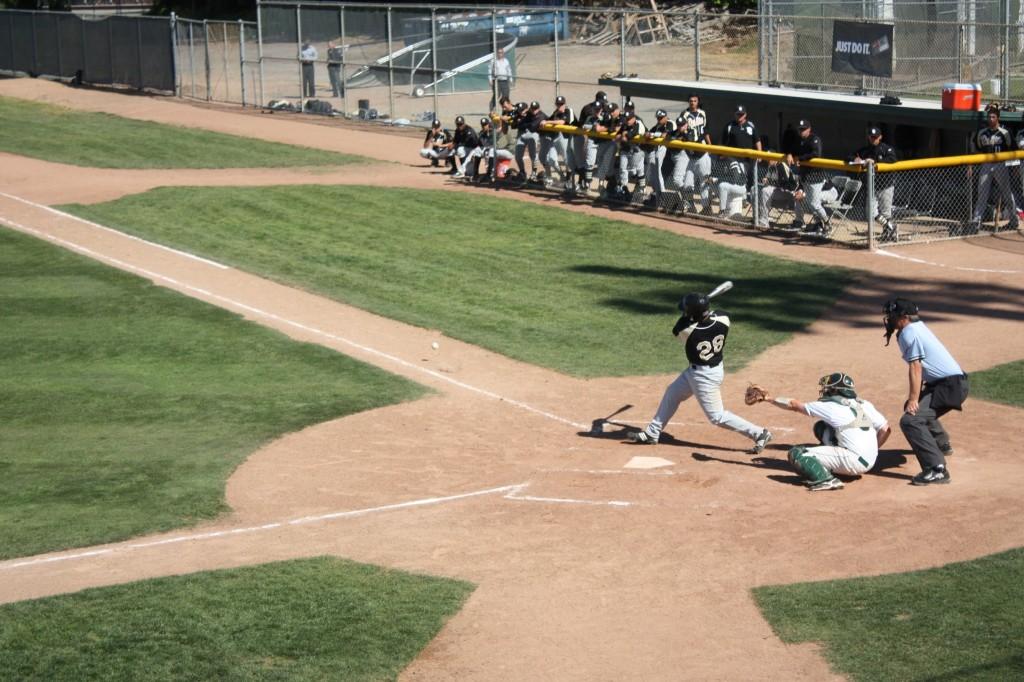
[588, 567]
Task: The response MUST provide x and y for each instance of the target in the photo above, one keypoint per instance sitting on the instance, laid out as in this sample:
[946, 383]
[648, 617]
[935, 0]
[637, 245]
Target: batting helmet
[695, 306]
[836, 383]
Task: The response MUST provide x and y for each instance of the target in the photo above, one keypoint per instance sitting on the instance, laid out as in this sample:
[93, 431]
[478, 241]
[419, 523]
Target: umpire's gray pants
[812, 202]
[998, 173]
[527, 140]
[704, 383]
[631, 161]
[653, 159]
[551, 150]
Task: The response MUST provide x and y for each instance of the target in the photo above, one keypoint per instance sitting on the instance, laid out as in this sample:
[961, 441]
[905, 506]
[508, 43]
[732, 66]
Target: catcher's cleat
[760, 442]
[641, 438]
[830, 484]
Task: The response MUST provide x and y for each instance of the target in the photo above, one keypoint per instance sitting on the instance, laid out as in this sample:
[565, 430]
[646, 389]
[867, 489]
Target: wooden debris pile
[671, 23]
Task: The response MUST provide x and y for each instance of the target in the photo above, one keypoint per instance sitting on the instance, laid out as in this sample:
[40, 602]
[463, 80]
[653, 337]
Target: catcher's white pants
[704, 383]
[839, 460]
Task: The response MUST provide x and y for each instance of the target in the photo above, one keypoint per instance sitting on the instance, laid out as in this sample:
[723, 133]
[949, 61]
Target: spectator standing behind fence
[335, 55]
[992, 139]
[308, 57]
[812, 180]
[500, 75]
[876, 151]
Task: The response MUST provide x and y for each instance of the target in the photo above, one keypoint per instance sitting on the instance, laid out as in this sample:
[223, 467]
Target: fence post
[224, 52]
[557, 14]
[175, 56]
[871, 206]
[206, 55]
[344, 69]
[622, 43]
[959, 54]
[192, 59]
[433, 55]
[696, 46]
[298, 47]
[138, 42]
[391, 71]
[35, 50]
[755, 199]
[1005, 76]
[60, 55]
[259, 47]
[241, 57]
[494, 93]
[110, 46]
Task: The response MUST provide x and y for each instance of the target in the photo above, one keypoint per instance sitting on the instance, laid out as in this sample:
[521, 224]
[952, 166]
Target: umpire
[876, 151]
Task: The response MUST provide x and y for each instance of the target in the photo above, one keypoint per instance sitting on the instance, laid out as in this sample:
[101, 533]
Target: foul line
[921, 261]
[277, 318]
[511, 493]
[62, 214]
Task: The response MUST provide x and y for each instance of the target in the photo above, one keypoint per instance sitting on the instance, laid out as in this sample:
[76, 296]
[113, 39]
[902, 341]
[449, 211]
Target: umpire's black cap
[803, 124]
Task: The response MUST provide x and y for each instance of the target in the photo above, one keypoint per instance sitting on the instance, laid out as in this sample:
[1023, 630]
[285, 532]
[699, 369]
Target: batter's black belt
[699, 366]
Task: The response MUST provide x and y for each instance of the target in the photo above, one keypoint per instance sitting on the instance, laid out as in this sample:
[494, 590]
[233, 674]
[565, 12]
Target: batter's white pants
[526, 141]
[705, 383]
[839, 460]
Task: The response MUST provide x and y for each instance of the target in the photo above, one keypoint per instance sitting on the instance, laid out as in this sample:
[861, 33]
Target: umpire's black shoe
[933, 475]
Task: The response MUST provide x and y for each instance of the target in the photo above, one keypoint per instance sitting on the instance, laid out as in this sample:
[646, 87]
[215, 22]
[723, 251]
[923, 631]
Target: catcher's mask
[695, 306]
[836, 383]
[893, 310]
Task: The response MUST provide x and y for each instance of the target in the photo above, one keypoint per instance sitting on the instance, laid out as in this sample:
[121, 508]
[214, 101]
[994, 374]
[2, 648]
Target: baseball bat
[720, 289]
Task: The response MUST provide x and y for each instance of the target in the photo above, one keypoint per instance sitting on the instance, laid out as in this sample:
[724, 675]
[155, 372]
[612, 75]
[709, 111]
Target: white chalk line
[512, 492]
[617, 422]
[68, 216]
[921, 261]
[282, 320]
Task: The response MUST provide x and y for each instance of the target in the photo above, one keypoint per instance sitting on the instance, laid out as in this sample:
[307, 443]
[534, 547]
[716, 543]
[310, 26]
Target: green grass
[1002, 384]
[963, 621]
[583, 295]
[95, 140]
[314, 619]
[124, 407]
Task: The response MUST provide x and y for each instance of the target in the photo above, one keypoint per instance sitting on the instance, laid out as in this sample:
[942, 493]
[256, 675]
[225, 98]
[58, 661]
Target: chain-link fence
[113, 50]
[418, 62]
[218, 61]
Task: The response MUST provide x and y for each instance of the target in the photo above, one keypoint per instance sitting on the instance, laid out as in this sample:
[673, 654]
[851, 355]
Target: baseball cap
[896, 307]
[601, 95]
[435, 124]
[559, 101]
[740, 109]
[485, 121]
[660, 113]
[534, 105]
[681, 121]
[803, 123]
[459, 120]
[630, 113]
[874, 131]
[599, 104]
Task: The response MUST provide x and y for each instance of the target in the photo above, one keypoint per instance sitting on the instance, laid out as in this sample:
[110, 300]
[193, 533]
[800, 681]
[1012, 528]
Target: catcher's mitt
[755, 394]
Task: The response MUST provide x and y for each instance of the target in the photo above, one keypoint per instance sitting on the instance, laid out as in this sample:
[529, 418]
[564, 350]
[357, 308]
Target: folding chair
[839, 207]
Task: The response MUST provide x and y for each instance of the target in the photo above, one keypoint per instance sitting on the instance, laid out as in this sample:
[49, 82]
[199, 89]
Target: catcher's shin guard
[808, 466]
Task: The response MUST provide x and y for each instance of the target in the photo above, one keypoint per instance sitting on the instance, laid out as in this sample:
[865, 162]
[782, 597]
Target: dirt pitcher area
[594, 559]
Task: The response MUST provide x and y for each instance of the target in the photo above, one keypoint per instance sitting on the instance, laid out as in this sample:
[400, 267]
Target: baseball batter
[850, 431]
[702, 332]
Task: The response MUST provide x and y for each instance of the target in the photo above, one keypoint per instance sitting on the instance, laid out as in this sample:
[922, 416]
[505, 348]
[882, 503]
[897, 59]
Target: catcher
[849, 431]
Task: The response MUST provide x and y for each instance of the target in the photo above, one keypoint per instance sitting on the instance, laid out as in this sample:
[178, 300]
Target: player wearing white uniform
[850, 431]
[698, 167]
[703, 333]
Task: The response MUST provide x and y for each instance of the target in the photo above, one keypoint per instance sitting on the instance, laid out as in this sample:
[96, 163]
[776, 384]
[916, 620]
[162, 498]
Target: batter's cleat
[930, 476]
[830, 484]
[641, 438]
[947, 451]
[760, 442]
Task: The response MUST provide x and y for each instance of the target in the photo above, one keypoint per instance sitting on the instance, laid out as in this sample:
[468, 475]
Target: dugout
[918, 128]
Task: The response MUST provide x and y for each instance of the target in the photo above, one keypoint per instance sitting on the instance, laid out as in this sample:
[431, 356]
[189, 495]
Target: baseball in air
[435, 345]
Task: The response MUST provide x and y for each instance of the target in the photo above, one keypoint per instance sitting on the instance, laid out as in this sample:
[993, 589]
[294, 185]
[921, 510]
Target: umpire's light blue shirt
[917, 342]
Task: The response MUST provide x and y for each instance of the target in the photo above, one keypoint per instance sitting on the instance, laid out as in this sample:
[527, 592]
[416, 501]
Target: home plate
[647, 463]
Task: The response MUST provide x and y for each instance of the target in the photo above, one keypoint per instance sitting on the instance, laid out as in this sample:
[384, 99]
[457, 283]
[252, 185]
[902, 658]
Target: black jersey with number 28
[705, 340]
